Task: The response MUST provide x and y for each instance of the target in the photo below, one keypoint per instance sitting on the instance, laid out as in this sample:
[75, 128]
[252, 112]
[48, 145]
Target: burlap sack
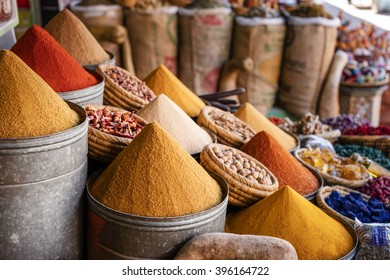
[262, 40]
[205, 38]
[153, 37]
[308, 52]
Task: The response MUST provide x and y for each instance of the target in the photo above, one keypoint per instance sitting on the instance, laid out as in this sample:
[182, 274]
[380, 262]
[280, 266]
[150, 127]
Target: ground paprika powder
[287, 169]
[51, 61]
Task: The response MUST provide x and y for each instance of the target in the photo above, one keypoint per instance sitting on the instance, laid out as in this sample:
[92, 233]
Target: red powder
[51, 61]
[287, 169]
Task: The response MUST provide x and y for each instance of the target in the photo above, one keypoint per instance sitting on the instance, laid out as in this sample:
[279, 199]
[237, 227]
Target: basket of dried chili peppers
[110, 130]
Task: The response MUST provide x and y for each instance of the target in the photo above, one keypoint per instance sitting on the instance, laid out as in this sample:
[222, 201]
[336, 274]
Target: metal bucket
[116, 235]
[86, 96]
[42, 194]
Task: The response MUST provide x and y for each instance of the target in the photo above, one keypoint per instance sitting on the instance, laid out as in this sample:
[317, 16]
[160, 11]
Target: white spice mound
[174, 120]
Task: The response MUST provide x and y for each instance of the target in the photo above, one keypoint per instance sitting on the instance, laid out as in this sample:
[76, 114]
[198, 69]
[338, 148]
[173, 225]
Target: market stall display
[286, 214]
[248, 180]
[378, 188]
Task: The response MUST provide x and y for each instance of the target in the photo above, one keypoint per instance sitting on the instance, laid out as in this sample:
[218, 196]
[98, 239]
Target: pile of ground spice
[259, 122]
[155, 177]
[286, 168]
[177, 123]
[286, 214]
[28, 105]
[161, 80]
[74, 36]
[51, 61]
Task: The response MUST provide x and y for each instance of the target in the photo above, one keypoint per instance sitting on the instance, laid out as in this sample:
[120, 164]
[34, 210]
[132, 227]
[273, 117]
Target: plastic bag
[374, 241]
[312, 141]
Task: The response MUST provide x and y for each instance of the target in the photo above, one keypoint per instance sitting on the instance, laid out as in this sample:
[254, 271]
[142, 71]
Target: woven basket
[104, 147]
[331, 180]
[242, 192]
[374, 141]
[326, 191]
[115, 95]
[224, 136]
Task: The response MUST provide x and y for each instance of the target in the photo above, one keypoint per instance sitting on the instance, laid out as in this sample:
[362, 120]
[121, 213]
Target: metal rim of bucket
[88, 92]
[110, 61]
[353, 233]
[54, 140]
[163, 223]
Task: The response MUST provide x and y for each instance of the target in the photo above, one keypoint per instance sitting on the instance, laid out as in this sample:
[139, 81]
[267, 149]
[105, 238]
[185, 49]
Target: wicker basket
[104, 147]
[326, 191]
[242, 191]
[377, 142]
[115, 95]
[224, 136]
[331, 180]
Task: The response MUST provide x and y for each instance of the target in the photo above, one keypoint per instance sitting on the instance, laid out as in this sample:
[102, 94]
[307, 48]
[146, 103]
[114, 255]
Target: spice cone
[259, 122]
[288, 215]
[161, 80]
[177, 123]
[75, 37]
[28, 105]
[62, 72]
[155, 177]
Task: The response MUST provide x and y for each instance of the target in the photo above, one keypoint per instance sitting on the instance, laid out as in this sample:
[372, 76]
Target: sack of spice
[308, 53]
[248, 179]
[205, 38]
[229, 129]
[259, 36]
[156, 42]
[374, 241]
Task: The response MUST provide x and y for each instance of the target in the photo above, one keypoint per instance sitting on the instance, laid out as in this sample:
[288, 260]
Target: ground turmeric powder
[161, 80]
[155, 177]
[288, 215]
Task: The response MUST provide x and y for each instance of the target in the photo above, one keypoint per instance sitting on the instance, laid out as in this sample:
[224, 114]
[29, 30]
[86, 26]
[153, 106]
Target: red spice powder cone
[287, 169]
[39, 50]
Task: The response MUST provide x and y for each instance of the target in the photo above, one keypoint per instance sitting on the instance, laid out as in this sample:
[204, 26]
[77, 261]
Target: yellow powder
[154, 176]
[28, 105]
[288, 215]
[161, 80]
[259, 122]
[74, 36]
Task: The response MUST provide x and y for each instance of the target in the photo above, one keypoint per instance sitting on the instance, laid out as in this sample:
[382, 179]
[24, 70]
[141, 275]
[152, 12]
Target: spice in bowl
[114, 122]
[130, 83]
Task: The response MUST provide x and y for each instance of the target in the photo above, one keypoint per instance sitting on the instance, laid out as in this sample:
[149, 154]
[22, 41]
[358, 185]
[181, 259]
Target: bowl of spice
[247, 178]
[110, 130]
[124, 90]
[335, 170]
[350, 204]
[152, 199]
[229, 129]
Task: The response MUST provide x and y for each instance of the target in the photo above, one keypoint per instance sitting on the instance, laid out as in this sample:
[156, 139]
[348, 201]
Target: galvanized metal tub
[86, 96]
[116, 235]
[42, 194]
